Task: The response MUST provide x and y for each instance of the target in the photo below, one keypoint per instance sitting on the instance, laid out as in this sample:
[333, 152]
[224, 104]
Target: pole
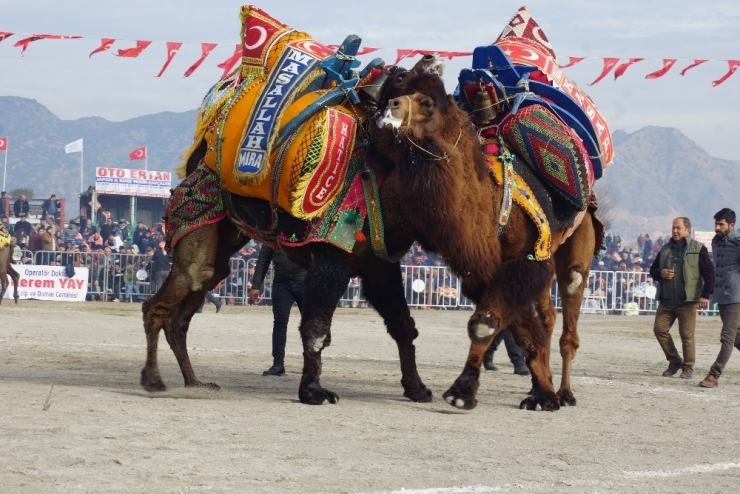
[133, 208]
[82, 186]
[5, 166]
[146, 158]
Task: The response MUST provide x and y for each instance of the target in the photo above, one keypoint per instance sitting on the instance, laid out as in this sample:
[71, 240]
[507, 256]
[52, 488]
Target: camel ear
[451, 103]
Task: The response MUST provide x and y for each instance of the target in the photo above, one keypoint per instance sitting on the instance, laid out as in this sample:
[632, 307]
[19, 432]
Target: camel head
[421, 111]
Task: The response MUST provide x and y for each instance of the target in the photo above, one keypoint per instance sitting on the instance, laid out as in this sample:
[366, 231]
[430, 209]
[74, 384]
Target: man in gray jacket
[726, 249]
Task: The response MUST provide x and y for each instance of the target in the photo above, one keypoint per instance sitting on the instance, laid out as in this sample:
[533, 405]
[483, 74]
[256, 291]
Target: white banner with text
[49, 283]
[128, 182]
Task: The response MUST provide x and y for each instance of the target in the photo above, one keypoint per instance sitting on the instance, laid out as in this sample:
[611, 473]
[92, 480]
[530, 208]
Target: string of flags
[610, 64]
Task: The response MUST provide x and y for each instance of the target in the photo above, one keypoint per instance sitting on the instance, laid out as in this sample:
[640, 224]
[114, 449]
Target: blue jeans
[135, 289]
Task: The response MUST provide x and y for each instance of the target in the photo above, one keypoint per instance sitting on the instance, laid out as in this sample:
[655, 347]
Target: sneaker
[116, 300]
[275, 370]
[711, 381]
[673, 368]
[686, 374]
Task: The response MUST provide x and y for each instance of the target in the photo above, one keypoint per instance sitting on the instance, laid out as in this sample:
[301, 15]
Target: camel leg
[572, 265]
[326, 281]
[200, 261]
[382, 286]
[16, 280]
[507, 302]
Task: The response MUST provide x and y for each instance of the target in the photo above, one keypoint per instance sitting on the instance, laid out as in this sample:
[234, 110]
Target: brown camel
[6, 268]
[453, 207]
[201, 259]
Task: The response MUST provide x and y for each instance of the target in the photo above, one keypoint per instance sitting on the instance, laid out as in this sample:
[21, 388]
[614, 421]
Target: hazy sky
[60, 75]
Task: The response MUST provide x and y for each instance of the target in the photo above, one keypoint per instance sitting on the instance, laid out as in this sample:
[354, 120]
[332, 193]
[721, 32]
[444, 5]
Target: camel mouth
[388, 121]
[434, 65]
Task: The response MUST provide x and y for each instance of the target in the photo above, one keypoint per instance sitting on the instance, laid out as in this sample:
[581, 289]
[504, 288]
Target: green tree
[16, 193]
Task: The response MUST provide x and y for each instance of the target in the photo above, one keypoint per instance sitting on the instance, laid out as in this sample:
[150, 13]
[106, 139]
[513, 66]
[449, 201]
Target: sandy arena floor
[633, 431]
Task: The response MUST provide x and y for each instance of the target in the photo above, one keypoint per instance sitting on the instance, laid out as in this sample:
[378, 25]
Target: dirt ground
[632, 431]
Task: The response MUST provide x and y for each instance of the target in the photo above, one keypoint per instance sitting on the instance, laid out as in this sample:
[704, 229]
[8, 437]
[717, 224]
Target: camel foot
[316, 395]
[208, 386]
[419, 393]
[152, 381]
[546, 400]
[462, 394]
[566, 398]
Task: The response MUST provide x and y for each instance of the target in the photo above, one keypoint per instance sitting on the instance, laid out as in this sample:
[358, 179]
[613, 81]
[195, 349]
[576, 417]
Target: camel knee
[576, 279]
[199, 274]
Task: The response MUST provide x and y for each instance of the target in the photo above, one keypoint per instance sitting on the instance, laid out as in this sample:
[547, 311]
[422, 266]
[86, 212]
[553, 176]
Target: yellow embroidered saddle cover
[241, 119]
[4, 237]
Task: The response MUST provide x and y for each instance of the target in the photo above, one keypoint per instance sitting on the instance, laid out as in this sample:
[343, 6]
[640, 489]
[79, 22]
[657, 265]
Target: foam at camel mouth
[388, 120]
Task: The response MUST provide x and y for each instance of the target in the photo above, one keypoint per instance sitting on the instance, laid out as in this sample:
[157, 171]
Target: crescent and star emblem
[260, 41]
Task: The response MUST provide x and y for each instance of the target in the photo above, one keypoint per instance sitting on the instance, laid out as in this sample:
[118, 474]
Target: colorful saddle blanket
[4, 237]
[275, 128]
[520, 70]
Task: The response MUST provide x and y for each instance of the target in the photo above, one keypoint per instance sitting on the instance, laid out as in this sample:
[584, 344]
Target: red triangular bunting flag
[667, 64]
[172, 47]
[572, 61]
[105, 44]
[5, 35]
[134, 52]
[696, 62]
[23, 43]
[733, 65]
[229, 63]
[609, 64]
[619, 71]
[403, 53]
[206, 49]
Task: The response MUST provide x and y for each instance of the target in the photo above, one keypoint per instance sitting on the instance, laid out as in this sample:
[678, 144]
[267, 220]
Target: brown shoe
[711, 381]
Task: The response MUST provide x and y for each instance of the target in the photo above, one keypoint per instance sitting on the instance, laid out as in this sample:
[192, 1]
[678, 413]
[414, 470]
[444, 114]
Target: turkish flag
[138, 154]
[172, 47]
[134, 52]
[105, 44]
[229, 63]
[572, 61]
[3, 143]
[5, 35]
[23, 43]
[619, 71]
[609, 64]
[667, 64]
[206, 49]
[696, 62]
[732, 67]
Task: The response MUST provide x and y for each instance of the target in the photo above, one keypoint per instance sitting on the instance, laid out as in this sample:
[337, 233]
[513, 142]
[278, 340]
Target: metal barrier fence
[606, 292]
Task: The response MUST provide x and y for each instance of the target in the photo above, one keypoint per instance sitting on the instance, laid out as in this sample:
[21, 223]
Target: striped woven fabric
[552, 150]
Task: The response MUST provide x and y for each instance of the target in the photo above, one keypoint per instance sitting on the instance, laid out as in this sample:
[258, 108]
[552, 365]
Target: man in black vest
[686, 280]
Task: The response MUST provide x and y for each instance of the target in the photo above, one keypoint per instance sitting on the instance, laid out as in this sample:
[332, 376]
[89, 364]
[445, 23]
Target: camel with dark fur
[453, 207]
[200, 261]
[6, 268]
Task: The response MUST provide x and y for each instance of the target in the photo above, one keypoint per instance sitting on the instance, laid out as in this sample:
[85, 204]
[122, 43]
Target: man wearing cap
[22, 225]
[123, 229]
[69, 233]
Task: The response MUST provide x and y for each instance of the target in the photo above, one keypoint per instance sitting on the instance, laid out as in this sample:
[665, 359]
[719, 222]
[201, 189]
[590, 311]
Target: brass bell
[484, 111]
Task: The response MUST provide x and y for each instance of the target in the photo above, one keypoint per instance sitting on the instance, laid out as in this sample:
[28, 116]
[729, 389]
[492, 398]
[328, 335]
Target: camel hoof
[207, 386]
[546, 400]
[419, 395]
[566, 398]
[455, 397]
[152, 381]
[316, 395]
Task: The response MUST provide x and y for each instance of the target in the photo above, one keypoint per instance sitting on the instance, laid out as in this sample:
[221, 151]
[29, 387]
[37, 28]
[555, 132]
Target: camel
[6, 268]
[200, 261]
[453, 207]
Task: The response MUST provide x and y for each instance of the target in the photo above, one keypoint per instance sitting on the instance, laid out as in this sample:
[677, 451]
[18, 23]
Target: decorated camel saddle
[4, 237]
[517, 93]
[283, 128]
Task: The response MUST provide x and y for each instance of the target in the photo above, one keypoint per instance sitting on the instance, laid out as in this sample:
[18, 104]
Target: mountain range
[658, 172]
